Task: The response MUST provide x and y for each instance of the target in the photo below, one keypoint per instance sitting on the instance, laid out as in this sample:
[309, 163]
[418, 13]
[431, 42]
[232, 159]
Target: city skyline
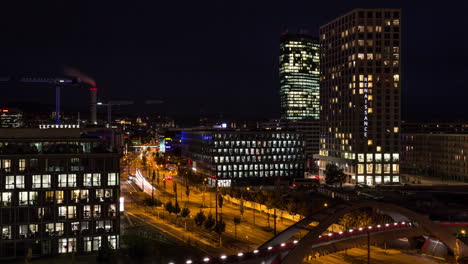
[130, 63]
[231, 132]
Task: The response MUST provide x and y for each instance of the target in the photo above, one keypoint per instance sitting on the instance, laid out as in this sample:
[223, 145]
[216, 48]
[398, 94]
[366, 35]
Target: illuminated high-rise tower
[299, 77]
[360, 91]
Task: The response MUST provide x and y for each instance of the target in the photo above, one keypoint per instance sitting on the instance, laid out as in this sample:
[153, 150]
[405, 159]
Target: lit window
[360, 168]
[36, 181]
[112, 179]
[6, 198]
[6, 165]
[378, 168]
[21, 164]
[6, 232]
[369, 142]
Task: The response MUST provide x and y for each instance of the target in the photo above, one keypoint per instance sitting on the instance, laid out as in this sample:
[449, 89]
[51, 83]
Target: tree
[219, 228]
[174, 188]
[334, 175]
[292, 207]
[187, 191]
[169, 207]
[210, 222]
[270, 203]
[356, 219]
[176, 208]
[237, 221]
[185, 212]
[199, 218]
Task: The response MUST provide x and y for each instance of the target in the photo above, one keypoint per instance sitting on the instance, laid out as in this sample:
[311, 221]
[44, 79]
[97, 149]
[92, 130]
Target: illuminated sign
[58, 126]
[366, 107]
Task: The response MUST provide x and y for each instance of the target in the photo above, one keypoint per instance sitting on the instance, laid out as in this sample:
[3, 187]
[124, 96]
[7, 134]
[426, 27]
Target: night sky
[212, 58]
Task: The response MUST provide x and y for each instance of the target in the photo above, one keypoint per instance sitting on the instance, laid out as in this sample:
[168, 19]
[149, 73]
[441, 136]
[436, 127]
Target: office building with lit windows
[310, 128]
[360, 91]
[59, 192]
[299, 77]
[245, 157]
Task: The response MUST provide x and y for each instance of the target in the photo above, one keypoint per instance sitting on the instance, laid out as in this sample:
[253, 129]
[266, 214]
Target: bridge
[280, 249]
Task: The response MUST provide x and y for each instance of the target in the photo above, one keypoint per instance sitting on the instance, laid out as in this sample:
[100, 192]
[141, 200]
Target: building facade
[59, 192]
[437, 150]
[245, 156]
[11, 118]
[360, 92]
[310, 128]
[299, 77]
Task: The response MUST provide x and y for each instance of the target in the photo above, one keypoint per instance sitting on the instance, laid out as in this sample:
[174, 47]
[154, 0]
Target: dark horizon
[215, 58]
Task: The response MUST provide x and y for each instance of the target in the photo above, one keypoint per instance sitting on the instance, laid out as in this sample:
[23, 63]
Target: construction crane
[56, 82]
[109, 109]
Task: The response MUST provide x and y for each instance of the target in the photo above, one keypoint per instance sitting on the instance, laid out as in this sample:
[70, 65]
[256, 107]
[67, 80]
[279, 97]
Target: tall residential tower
[299, 77]
[360, 93]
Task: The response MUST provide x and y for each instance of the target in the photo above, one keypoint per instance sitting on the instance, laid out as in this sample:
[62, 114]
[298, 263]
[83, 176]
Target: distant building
[11, 118]
[238, 157]
[411, 127]
[59, 192]
[435, 149]
[360, 91]
[299, 77]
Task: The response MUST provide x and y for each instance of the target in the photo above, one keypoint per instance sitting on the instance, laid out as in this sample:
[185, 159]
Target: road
[249, 235]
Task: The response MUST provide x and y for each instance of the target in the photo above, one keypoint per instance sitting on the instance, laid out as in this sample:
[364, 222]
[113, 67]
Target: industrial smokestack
[92, 105]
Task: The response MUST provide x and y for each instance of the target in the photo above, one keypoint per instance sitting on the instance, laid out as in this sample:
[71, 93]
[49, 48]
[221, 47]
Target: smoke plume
[69, 71]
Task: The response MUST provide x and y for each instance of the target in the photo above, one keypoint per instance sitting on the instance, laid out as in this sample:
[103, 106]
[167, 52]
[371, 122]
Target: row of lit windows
[258, 144]
[243, 159]
[64, 180]
[68, 245]
[369, 168]
[267, 136]
[258, 151]
[371, 180]
[53, 229]
[271, 173]
[377, 157]
[258, 167]
[32, 197]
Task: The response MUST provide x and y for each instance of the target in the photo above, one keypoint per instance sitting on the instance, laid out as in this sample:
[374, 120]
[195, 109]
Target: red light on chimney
[93, 89]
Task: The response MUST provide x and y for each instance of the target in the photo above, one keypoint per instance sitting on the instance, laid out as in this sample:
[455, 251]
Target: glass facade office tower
[299, 77]
[360, 92]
